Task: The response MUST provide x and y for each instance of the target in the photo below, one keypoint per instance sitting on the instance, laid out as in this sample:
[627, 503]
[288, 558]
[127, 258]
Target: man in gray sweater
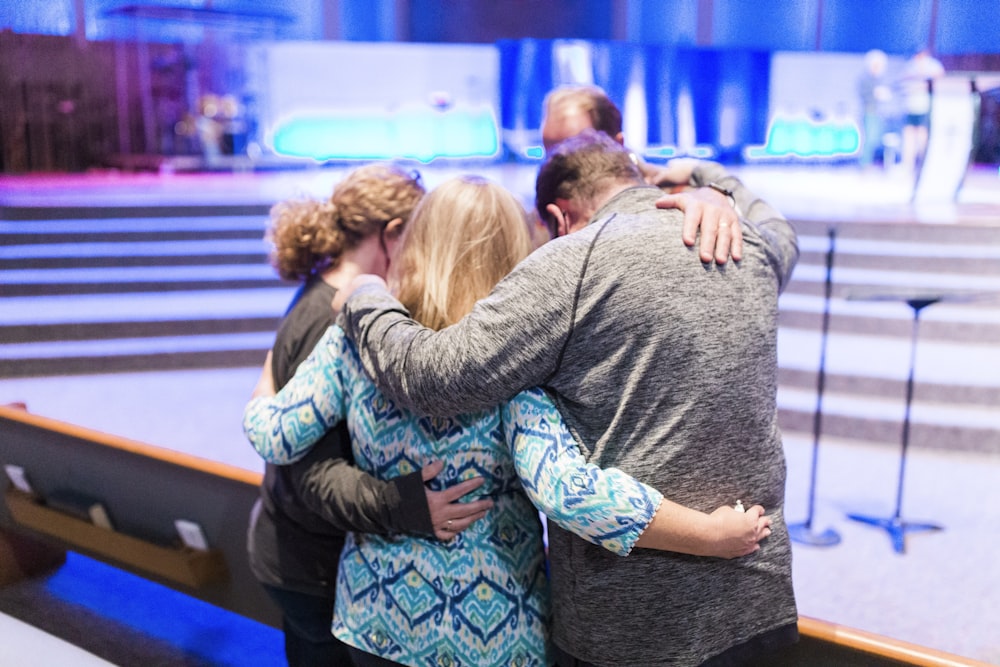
[663, 366]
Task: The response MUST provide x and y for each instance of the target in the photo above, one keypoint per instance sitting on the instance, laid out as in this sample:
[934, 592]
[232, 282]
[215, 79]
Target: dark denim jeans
[363, 659]
[307, 620]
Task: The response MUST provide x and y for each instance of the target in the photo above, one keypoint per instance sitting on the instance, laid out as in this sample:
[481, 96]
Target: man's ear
[620, 138]
[556, 211]
[394, 228]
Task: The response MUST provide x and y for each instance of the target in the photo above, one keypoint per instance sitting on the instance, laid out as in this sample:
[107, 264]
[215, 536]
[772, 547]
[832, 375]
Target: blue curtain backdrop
[716, 97]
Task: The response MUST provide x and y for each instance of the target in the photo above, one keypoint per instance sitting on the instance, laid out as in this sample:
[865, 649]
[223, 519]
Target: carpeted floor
[938, 594]
[127, 620]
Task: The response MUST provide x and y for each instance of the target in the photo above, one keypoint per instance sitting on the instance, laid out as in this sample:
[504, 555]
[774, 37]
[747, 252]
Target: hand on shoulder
[356, 283]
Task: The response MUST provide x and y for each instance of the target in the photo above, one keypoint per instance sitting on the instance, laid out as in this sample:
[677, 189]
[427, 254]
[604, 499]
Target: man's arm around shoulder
[510, 341]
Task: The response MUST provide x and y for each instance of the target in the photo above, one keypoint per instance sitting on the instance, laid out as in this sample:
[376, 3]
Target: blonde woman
[298, 526]
[481, 598]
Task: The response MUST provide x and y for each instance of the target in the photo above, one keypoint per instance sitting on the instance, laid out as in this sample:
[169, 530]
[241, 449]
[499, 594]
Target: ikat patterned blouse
[481, 598]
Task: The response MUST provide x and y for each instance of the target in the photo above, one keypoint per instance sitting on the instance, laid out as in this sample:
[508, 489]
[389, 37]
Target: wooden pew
[143, 489]
[824, 644]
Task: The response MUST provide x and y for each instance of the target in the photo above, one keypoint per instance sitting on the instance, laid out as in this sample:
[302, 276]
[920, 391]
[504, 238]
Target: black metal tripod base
[896, 527]
[803, 534]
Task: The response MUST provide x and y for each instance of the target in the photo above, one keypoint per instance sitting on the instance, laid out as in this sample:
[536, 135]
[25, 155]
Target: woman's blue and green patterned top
[482, 598]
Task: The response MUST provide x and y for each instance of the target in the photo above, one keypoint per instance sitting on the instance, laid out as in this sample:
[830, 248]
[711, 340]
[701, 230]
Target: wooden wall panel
[69, 106]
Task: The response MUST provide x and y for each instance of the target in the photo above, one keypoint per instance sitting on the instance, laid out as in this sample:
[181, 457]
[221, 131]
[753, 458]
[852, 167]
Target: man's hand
[345, 292]
[448, 516]
[711, 212]
[675, 173]
[738, 533]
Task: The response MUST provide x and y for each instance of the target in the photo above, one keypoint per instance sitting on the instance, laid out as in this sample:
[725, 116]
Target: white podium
[954, 118]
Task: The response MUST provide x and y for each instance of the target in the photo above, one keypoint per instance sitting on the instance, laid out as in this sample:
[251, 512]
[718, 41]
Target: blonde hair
[464, 236]
[309, 236]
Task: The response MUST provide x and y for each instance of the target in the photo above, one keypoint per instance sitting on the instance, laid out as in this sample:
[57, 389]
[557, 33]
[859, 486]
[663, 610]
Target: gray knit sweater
[663, 367]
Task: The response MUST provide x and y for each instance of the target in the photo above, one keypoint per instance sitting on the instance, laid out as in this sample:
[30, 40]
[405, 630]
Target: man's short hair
[592, 100]
[579, 168]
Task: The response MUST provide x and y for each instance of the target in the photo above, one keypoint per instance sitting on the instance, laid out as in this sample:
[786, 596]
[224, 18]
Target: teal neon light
[806, 138]
[422, 135]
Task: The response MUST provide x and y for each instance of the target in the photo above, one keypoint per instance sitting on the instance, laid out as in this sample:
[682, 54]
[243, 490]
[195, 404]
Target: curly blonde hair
[310, 236]
[464, 236]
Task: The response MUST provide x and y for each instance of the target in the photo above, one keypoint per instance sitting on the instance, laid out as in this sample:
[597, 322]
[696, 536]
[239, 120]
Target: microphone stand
[895, 525]
[803, 532]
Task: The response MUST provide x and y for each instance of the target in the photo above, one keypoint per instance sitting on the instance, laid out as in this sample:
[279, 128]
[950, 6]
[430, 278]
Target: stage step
[42, 211]
[869, 343]
[102, 294]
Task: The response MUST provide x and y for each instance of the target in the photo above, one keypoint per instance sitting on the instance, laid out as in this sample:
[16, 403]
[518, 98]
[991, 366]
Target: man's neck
[613, 189]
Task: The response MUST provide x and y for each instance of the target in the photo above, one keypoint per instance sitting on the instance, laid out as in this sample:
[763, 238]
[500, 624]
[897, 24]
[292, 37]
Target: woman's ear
[394, 228]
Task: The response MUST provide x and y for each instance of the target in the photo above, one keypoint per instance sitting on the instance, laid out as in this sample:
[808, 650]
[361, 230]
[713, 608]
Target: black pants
[363, 659]
[564, 659]
[756, 652]
[306, 620]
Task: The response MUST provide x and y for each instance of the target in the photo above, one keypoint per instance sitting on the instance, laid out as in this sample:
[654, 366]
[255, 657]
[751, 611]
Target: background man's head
[876, 61]
[570, 109]
[578, 176]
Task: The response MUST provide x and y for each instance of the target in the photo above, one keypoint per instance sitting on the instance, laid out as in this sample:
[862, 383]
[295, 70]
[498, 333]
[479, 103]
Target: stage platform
[807, 191]
[142, 305]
